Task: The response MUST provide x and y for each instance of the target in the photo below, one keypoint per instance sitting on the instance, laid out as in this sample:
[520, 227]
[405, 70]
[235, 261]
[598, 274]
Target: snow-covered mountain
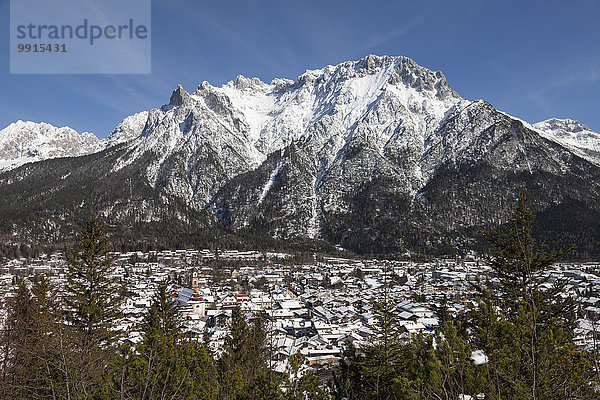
[574, 135]
[377, 154]
[392, 101]
[24, 141]
[130, 128]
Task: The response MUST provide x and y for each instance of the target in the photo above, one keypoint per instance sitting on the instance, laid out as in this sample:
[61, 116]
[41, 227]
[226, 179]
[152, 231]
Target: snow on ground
[270, 182]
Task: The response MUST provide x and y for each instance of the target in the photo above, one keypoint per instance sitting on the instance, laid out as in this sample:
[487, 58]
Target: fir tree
[371, 372]
[383, 356]
[17, 343]
[244, 368]
[527, 332]
[164, 364]
[517, 258]
[92, 306]
[33, 360]
[93, 296]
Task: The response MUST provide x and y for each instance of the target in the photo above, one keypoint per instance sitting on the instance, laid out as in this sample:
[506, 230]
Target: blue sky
[532, 59]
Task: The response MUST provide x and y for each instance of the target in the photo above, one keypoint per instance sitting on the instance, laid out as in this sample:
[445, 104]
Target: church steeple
[194, 277]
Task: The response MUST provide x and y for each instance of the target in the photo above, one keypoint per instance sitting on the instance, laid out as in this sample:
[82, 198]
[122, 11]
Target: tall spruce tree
[370, 372]
[383, 356]
[32, 365]
[517, 259]
[93, 294]
[18, 343]
[526, 330]
[91, 308]
[244, 368]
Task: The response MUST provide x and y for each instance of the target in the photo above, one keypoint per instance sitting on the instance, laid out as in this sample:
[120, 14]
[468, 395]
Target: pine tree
[49, 358]
[526, 331]
[92, 306]
[164, 364]
[32, 365]
[301, 382]
[163, 317]
[372, 374]
[347, 380]
[17, 343]
[93, 296]
[244, 368]
[383, 356]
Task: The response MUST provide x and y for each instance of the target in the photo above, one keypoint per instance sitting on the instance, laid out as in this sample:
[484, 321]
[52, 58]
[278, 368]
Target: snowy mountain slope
[573, 135]
[201, 140]
[24, 141]
[385, 148]
[378, 154]
[130, 128]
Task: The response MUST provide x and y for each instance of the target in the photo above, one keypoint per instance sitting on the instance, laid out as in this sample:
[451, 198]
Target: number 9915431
[42, 48]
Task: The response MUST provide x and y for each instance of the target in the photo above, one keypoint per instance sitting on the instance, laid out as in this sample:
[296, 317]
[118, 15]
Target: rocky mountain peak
[27, 141]
[179, 96]
[368, 153]
[241, 83]
[573, 135]
[562, 125]
[129, 129]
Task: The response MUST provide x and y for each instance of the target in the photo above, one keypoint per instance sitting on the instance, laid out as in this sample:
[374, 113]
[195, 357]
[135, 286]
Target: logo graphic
[80, 37]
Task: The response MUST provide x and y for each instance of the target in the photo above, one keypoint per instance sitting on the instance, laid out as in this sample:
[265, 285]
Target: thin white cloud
[406, 27]
[580, 76]
[127, 95]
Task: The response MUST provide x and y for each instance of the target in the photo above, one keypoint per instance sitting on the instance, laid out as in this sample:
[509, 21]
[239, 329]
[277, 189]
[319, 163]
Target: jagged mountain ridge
[376, 153]
[574, 135]
[243, 122]
[25, 141]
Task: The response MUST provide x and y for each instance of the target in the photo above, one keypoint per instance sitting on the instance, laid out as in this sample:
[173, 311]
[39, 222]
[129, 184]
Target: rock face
[25, 141]
[376, 155]
[573, 135]
[130, 128]
[22, 142]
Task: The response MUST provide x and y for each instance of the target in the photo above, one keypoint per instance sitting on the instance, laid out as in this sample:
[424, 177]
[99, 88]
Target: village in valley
[314, 305]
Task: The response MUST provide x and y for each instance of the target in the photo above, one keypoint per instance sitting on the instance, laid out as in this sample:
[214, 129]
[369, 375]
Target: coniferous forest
[516, 343]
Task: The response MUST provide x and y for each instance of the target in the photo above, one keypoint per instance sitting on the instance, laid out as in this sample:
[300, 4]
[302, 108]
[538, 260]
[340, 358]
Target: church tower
[194, 277]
